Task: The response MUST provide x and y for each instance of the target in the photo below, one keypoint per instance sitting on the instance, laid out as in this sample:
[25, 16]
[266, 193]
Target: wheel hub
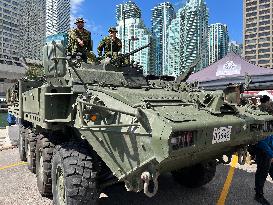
[41, 167]
[28, 154]
[60, 186]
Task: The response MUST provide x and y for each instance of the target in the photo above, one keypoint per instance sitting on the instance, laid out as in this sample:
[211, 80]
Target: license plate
[221, 134]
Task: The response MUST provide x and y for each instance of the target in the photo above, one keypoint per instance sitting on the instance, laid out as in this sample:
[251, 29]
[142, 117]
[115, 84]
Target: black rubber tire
[45, 149]
[74, 162]
[30, 142]
[22, 150]
[197, 175]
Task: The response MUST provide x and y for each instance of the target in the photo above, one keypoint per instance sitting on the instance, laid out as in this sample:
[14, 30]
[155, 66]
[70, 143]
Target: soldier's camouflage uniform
[74, 46]
[108, 45]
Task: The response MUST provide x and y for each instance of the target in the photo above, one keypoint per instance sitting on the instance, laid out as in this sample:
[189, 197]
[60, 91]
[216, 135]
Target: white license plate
[221, 134]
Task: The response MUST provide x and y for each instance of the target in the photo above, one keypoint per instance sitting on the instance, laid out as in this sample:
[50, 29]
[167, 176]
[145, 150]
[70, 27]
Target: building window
[264, 56]
[263, 45]
[264, 50]
[263, 61]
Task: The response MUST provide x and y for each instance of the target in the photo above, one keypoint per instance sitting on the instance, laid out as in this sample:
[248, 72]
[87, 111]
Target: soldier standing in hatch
[79, 40]
[110, 45]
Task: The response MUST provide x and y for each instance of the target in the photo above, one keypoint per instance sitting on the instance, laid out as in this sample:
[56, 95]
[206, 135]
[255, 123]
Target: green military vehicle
[85, 127]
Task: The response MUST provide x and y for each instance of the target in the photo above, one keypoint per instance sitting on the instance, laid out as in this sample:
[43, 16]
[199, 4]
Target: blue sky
[100, 14]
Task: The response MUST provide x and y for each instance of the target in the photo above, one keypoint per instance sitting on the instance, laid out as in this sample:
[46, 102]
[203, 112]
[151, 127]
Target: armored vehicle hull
[85, 127]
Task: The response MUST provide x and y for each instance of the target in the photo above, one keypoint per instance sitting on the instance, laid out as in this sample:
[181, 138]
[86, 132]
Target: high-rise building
[127, 10]
[33, 28]
[218, 39]
[136, 34]
[9, 32]
[57, 16]
[174, 46]
[235, 47]
[187, 39]
[162, 15]
[258, 32]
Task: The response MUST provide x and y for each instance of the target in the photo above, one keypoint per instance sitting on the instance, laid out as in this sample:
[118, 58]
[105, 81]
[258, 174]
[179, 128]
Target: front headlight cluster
[268, 126]
[256, 127]
[182, 139]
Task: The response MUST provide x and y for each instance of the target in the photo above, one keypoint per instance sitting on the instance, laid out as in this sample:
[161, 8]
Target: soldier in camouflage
[110, 45]
[79, 40]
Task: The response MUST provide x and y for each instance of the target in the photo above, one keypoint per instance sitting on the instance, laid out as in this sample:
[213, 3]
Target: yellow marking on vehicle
[224, 193]
[13, 165]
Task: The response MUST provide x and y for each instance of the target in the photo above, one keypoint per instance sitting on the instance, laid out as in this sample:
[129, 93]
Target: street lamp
[133, 38]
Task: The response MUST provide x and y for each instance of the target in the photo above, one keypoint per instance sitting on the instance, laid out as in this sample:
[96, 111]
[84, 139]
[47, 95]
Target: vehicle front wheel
[73, 176]
[22, 150]
[44, 154]
[30, 147]
[197, 175]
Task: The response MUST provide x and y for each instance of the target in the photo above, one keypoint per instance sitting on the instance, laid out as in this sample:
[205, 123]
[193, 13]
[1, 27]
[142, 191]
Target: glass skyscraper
[24, 25]
[33, 28]
[162, 15]
[136, 34]
[187, 38]
[235, 47]
[174, 44]
[57, 16]
[218, 42]
[10, 32]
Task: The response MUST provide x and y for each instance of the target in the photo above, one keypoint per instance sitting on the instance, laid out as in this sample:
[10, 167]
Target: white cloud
[75, 6]
[179, 3]
[75, 10]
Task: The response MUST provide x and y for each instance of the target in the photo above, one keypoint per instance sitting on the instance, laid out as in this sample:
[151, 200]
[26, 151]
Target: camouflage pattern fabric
[108, 45]
[73, 44]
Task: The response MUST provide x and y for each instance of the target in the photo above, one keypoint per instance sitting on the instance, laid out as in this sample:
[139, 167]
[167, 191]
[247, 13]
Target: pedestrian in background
[11, 119]
[264, 157]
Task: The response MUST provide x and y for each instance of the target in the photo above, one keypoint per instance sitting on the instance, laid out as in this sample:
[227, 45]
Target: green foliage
[34, 72]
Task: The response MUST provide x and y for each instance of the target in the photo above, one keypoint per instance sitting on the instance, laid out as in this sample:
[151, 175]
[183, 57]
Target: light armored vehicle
[85, 127]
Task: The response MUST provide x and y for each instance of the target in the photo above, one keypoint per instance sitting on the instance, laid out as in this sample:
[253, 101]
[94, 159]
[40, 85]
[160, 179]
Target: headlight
[182, 139]
[268, 126]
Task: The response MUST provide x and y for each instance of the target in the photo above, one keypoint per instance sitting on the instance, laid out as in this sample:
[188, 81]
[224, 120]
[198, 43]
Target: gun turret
[122, 59]
[136, 50]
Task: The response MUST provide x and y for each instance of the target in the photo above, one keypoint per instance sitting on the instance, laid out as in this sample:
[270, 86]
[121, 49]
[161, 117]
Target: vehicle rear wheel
[44, 153]
[197, 175]
[22, 150]
[30, 147]
[74, 176]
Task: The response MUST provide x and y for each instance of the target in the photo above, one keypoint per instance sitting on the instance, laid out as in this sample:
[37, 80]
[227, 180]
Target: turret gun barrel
[119, 60]
[137, 50]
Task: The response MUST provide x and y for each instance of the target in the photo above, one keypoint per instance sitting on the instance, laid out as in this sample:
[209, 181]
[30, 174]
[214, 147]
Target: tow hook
[146, 177]
[242, 155]
[225, 159]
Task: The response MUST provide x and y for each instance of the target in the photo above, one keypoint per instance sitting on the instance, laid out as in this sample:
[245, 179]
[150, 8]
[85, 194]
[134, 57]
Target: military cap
[79, 20]
[112, 29]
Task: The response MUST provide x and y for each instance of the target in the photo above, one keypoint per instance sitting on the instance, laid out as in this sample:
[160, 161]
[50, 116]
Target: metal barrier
[3, 119]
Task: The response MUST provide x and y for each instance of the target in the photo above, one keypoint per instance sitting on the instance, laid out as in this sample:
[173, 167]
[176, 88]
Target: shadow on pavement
[241, 191]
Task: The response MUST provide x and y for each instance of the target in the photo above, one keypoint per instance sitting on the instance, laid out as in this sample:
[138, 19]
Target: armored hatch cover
[108, 76]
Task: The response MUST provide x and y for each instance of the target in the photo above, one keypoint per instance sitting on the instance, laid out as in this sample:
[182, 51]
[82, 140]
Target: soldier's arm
[71, 39]
[101, 46]
[89, 44]
[119, 45]
[69, 45]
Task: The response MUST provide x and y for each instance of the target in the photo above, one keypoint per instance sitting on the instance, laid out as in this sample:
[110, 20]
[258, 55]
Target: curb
[8, 147]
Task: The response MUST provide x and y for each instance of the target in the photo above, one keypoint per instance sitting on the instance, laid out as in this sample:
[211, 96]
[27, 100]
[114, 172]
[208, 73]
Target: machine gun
[123, 59]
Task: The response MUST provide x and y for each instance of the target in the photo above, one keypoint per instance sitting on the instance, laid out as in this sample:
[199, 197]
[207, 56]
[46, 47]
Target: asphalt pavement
[18, 186]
